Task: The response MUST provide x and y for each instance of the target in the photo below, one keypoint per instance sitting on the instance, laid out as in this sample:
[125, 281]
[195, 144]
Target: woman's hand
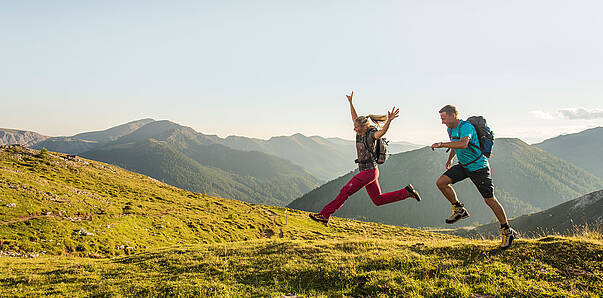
[393, 114]
[350, 97]
[390, 116]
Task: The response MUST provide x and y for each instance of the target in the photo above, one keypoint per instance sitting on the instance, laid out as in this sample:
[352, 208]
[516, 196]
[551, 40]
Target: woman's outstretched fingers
[350, 96]
[393, 114]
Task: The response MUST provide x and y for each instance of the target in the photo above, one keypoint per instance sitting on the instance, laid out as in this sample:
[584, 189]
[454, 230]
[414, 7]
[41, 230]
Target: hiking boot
[508, 235]
[413, 193]
[458, 212]
[319, 218]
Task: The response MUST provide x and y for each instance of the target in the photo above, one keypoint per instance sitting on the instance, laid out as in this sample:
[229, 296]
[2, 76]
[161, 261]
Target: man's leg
[453, 175]
[506, 232]
[444, 184]
[498, 209]
[483, 181]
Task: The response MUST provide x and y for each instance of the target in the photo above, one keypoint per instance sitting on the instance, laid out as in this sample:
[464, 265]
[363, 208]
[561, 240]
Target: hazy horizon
[533, 69]
[268, 138]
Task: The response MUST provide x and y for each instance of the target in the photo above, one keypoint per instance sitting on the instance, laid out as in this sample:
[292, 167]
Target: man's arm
[460, 144]
[450, 157]
[354, 114]
[390, 116]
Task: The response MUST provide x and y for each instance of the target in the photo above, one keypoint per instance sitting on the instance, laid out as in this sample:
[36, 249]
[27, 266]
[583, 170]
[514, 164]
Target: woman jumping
[366, 136]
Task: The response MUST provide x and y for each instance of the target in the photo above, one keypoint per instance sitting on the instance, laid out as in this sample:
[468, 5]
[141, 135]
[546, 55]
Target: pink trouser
[368, 179]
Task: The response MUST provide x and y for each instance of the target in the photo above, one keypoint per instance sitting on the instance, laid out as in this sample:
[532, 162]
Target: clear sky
[534, 69]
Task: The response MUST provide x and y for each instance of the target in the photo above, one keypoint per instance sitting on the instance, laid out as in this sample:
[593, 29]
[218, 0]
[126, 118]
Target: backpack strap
[373, 157]
[473, 147]
[476, 159]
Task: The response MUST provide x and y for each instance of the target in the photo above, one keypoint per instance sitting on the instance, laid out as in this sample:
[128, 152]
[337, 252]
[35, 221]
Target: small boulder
[84, 232]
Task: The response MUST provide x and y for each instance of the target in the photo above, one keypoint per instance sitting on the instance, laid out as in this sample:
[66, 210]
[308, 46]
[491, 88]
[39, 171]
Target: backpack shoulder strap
[473, 147]
[366, 137]
[368, 147]
[459, 129]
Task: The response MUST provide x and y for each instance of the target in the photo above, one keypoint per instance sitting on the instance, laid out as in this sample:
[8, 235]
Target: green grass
[553, 266]
[188, 244]
[55, 198]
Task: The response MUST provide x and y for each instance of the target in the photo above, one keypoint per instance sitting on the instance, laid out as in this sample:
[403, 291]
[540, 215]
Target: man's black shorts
[481, 178]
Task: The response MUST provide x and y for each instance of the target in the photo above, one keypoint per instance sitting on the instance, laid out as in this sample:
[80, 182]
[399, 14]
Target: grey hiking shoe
[413, 192]
[458, 212]
[508, 235]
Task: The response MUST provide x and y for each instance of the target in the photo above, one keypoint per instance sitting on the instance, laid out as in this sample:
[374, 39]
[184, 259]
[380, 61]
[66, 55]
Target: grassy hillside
[184, 158]
[583, 213]
[85, 228]
[526, 180]
[52, 204]
[548, 267]
[582, 149]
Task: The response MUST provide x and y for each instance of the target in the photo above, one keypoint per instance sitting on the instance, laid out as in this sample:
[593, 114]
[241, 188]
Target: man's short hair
[449, 110]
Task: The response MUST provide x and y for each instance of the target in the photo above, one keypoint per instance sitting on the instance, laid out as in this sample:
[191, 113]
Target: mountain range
[86, 141]
[526, 178]
[571, 217]
[184, 158]
[324, 158]
[273, 171]
[23, 137]
[584, 149]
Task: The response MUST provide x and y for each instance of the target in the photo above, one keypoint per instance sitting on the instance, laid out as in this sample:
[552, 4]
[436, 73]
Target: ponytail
[377, 119]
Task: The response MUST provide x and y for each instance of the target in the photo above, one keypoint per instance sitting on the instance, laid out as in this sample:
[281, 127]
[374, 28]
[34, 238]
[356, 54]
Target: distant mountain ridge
[182, 157]
[86, 141]
[584, 149]
[113, 133]
[22, 137]
[526, 179]
[326, 158]
[564, 219]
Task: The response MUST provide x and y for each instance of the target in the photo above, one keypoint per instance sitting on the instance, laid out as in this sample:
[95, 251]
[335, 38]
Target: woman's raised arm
[354, 114]
[390, 116]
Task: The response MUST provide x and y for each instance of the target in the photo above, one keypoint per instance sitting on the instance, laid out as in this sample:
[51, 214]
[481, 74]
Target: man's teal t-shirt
[467, 155]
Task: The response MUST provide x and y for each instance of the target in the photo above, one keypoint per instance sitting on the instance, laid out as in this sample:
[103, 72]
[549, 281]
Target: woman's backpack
[380, 150]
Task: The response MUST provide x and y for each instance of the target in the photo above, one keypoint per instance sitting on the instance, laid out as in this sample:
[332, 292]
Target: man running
[472, 164]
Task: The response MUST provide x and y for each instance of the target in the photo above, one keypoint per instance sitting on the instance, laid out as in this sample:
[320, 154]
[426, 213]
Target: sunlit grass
[151, 239]
[553, 266]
